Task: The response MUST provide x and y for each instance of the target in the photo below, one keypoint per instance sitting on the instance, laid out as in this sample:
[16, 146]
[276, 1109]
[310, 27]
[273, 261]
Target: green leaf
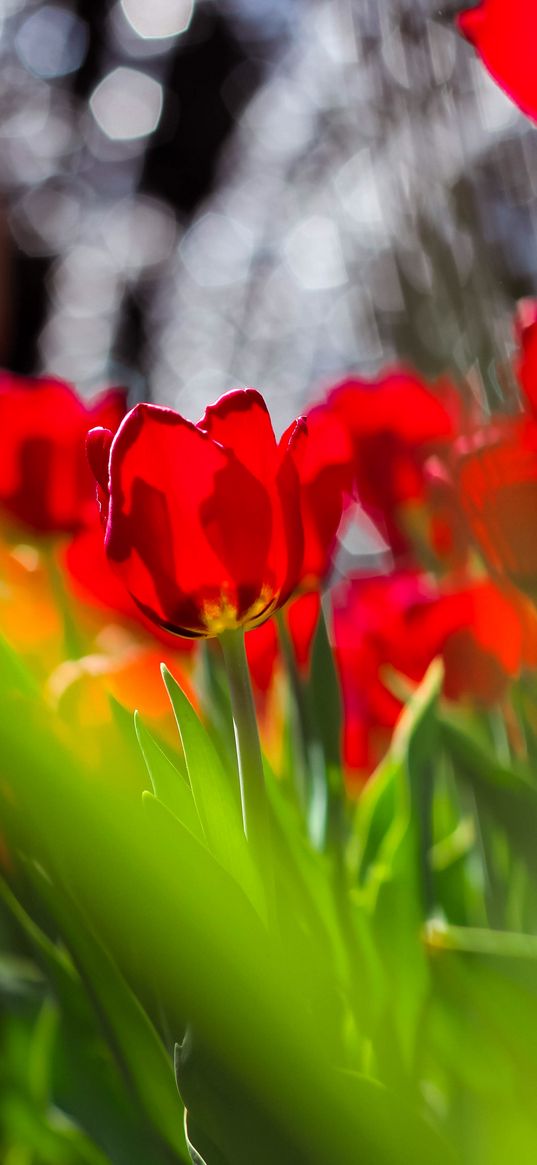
[42, 1050]
[400, 881]
[178, 927]
[216, 703]
[483, 1021]
[171, 837]
[55, 962]
[29, 1135]
[86, 1081]
[475, 940]
[168, 783]
[415, 731]
[373, 815]
[18, 975]
[130, 1033]
[216, 802]
[416, 742]
[325, 696]
[196, 1088]
[508, 798]
[324, 711]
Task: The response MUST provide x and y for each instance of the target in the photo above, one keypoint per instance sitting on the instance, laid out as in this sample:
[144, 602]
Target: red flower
[94, 582]
[497, 476]
[325, 467]
[45, 482]
[202, 522]
[403, 621]
[302, 617]
[441, 532]
[263, 654]
[395, 423]
[504, 33]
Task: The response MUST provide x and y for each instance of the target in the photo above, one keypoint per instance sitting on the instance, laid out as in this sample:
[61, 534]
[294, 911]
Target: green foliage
[377, 1019]
[215, 799]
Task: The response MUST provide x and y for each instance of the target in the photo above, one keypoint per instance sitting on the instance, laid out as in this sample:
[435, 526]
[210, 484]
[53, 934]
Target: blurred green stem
[73, 645]
[423, 807]
[480, 941]
[300, 717]
[251, 776]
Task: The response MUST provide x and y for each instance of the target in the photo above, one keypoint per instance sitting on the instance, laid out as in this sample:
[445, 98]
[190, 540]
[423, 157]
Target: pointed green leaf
[216, 802]
[325, 696]
[400, 881]
[128, 1029]
[505, 794]
[168, 783]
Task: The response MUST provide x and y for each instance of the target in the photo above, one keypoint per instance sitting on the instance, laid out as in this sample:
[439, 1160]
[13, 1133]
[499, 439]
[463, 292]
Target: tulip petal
[302, 618]
[395, 423]
[324, 457]
[403, 621]
[107, 409]
[98, 444]
[189, 527]
[240, 422]
[498, 489]
[45, 481]
[504, 34]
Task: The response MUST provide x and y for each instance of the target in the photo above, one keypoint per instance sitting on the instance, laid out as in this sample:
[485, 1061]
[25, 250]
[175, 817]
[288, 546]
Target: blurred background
[201, 194]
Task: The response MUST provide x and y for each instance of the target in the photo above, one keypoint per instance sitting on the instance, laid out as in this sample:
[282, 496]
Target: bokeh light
[158, 19]
[52, 41]
[278, 192]
[127, 104]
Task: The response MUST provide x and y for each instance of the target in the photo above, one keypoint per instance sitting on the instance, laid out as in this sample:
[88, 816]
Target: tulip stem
[251, 776]
[300, 717]
[72, 641]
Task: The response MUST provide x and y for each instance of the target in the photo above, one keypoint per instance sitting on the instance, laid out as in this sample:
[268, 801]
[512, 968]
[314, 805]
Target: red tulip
[395, 423]
[325, 467]
[402, 622]
[94, 582]
[263, 654]
[441, 532]
[302, 616]
[45, 483]
[497, 476]
[262, 644]
[202, 522]
[496, 468]
[504, 33]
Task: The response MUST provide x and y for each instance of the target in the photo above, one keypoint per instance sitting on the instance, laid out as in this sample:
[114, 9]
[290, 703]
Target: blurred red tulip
[45, 483]
[265, 661]
[504, 33]
[263, 654]
[262, 645]
[325, 466]
[395, 423]
[497, 477]
[403, 621]
[202, 522]
[302, 617]
[441, 530]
